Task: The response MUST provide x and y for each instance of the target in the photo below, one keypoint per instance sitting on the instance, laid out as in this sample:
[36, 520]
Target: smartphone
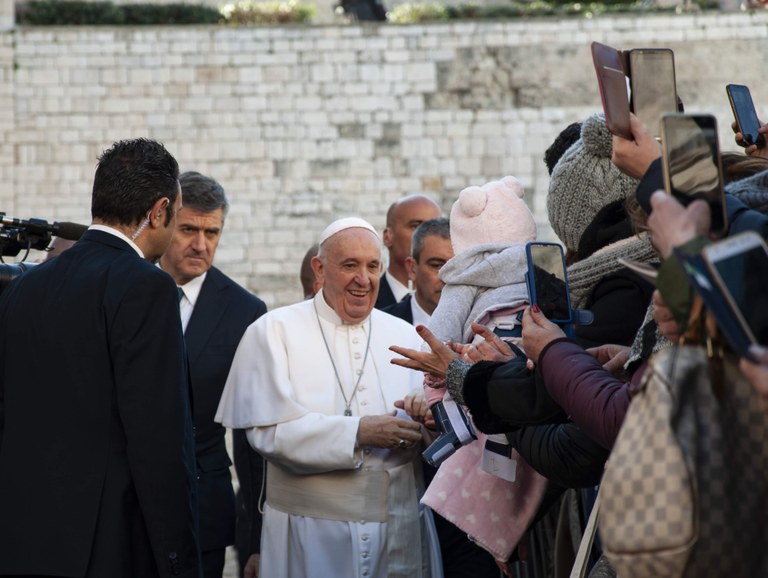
[691, 163]
[739, 267]
[614, 96]
[613, 85]
[653, 89]
[547, 281]
[744, 112]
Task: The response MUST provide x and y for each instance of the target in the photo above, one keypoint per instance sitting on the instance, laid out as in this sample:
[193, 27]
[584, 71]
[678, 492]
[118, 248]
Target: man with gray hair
[313, 385]
[215, 312]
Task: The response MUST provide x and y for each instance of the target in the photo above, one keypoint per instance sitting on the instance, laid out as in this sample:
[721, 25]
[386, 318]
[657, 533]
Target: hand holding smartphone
[691, 163]
[731, 276]
[745, 115]
[547, 281]
[640, 80]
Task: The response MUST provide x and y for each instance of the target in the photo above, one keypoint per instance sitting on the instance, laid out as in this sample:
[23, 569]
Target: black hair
[562, 143]
[432, 228]
[130, 177]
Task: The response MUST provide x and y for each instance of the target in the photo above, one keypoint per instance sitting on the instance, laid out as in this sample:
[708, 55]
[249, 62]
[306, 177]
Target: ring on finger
[402, 443]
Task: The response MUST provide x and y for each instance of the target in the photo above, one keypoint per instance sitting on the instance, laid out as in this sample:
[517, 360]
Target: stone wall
[305, 124]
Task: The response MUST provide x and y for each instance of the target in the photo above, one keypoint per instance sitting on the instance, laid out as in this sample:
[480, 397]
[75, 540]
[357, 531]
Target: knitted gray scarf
[752, 191]
[584, 275]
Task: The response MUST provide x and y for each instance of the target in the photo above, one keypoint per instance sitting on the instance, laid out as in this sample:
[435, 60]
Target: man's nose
[363, 279]
[198, 242]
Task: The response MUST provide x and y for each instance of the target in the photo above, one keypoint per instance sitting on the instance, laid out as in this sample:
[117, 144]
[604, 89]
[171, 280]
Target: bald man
[403, 216]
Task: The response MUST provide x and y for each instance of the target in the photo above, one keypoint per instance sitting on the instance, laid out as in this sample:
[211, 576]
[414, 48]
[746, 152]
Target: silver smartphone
[691, 163]
[653, 88]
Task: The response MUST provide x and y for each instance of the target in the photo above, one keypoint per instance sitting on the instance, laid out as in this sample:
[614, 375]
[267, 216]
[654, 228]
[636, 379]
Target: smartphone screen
[740, 267]
[744, 112]
[652, 83]
[691, 163]
[547, 281]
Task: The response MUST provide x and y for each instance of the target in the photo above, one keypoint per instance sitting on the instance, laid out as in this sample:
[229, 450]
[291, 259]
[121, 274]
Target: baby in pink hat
[484, 283]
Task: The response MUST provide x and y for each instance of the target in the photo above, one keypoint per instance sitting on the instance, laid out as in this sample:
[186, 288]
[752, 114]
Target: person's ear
[410, 267]
[387, 237]
[317, 268]
[158, 210]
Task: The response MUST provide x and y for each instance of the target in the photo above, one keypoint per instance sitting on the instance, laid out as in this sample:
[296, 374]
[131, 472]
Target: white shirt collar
[420, 317]
[192, 288]
[119, 235]
[398, 289]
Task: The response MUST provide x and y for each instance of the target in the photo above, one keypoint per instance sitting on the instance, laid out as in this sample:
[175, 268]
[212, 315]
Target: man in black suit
[430, 249]
[215, 311]
[403, 217]
[97, 473]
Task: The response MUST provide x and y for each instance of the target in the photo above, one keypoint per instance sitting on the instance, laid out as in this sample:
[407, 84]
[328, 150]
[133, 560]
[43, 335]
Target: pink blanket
[491, 510]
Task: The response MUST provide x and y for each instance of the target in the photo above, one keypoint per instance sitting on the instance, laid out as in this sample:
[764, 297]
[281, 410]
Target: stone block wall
[302, 125]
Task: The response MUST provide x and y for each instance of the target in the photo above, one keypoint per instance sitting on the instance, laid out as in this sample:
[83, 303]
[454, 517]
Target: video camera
[18, 234]
[22, 234]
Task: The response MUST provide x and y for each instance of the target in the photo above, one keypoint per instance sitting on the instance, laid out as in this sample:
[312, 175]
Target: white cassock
[332, 509]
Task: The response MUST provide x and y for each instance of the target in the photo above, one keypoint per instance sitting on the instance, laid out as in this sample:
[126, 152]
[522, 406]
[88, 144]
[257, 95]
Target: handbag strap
[695, 330]
[582, 556]
[702, 330]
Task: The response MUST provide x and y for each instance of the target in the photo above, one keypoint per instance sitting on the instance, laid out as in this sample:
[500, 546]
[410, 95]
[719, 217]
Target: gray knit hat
[584, 181]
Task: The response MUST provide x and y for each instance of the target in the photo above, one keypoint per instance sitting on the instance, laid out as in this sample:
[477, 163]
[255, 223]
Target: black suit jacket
[385, 297]
[402, 309]
[97, 471]
[221, 315]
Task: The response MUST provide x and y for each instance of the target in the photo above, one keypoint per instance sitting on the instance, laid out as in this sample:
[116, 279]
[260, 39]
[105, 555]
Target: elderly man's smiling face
[348, 267]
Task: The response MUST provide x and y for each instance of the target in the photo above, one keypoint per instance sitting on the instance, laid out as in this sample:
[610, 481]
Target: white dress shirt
[191, 290]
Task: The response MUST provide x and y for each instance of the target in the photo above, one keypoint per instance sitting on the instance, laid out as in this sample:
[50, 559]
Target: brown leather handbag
[685, 490]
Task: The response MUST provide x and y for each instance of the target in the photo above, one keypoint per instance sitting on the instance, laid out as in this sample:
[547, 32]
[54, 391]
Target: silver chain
[347, 402]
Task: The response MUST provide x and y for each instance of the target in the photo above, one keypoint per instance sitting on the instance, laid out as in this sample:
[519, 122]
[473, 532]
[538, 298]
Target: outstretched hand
[434, 362]
[491, 348]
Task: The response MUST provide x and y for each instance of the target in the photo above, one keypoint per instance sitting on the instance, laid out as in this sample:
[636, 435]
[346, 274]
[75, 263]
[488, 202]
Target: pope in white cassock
[313, 385]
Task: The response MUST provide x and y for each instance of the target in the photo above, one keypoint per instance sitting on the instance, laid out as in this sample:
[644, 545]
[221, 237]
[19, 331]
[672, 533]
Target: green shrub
[170, 14]
[78, 12]
[72, 12]
[246, 12]
[271, 12]
[410, 13]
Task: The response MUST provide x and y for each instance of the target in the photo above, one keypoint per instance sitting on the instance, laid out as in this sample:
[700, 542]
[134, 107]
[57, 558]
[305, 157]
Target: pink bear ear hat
[492, 213]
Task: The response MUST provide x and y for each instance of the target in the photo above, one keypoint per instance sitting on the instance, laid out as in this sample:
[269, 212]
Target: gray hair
[202, 193]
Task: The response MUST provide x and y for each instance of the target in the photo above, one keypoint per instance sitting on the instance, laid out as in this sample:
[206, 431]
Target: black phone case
[745, 117]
